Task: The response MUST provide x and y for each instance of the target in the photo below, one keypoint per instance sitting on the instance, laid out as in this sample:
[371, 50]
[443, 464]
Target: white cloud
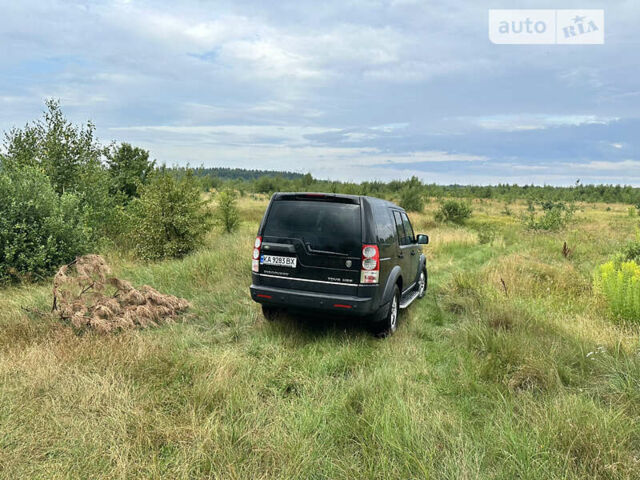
[632, 167]
[512, 123]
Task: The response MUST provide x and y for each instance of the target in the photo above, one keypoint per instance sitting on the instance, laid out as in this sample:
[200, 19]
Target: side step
[408, 298]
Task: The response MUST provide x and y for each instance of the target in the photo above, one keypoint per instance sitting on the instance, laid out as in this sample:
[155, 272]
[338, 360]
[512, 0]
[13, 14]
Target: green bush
[486, 234]
[71, 158]
[454, 211]
[412, 199]
[170, 219]
[548, 205]
[39, 229]
[555, 217]
[620, 284]
[227, 212]
[630, 252]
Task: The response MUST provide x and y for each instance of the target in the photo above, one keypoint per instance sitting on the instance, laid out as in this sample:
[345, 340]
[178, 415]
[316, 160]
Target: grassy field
[509, 368]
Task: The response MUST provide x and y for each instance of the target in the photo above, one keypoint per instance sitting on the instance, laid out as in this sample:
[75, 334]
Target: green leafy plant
[454, 211]
[486, 234]
[555, 216]
[63, 151]
[71, 158]
[39, 229]
[170, 219]
[620, 285]
[630, 252]
[227, 212]
[129, 168]
[530, 206]
[412, 199]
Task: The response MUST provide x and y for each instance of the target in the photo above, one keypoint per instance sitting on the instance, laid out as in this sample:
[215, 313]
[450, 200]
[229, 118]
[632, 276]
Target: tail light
[255, 262]
[370, 272]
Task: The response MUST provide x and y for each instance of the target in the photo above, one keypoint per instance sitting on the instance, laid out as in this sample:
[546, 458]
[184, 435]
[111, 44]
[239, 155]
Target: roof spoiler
[319, 197]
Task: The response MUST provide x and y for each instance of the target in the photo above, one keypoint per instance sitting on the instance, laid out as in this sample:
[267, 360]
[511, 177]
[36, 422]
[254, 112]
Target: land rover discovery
[331, 253]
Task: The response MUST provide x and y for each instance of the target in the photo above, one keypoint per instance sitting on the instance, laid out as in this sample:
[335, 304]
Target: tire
[270, 314]
[389, 324]
[422, 284]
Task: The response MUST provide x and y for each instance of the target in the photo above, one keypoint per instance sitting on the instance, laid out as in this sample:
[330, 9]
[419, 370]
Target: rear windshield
[328, 226]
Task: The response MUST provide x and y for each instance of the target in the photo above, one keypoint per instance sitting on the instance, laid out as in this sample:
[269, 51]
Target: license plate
[278, 261]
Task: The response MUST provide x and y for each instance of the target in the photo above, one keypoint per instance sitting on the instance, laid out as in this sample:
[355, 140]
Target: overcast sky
[348, 90]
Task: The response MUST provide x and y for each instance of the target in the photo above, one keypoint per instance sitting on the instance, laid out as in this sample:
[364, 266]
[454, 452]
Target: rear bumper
[320, 302]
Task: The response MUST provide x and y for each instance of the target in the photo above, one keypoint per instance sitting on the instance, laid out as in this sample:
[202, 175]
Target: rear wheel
[270, 313]
[422, 284]
[389, 324]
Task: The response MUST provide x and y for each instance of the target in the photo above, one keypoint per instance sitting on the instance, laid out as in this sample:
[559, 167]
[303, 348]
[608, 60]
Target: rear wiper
[325, 252]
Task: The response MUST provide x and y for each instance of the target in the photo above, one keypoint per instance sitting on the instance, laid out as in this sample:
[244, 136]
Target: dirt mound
[85, 293]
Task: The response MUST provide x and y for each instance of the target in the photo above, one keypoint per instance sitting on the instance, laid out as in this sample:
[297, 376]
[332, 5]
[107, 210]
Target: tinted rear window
[329, 226]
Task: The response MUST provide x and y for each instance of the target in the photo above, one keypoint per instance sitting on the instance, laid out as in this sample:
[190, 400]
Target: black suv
[346, 254]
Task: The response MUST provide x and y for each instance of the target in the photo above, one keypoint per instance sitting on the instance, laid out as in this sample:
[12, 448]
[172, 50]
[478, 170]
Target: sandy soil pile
[85, 294]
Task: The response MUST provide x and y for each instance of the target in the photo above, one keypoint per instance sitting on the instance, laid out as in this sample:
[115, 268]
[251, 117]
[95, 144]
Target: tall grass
[479, 382]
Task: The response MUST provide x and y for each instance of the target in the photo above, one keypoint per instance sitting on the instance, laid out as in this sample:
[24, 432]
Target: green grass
[536, 382]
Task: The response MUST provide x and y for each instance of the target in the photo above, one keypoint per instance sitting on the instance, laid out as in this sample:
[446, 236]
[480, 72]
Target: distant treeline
[260, 181]
[244, 174]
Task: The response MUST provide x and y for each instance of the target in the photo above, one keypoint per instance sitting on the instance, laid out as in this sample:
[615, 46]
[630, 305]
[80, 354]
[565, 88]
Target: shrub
[170, 219]
[71, 158]
[227, 213]
[268, 185]
[553, 218]
[454, 211]
[548, 205]
[39, 229]
[486, 234]
[412, 199]
[630, 252]
[620, 285]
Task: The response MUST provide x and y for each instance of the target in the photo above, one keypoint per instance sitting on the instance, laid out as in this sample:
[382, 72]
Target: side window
[384, 224]
[408, 229]
[400, 228]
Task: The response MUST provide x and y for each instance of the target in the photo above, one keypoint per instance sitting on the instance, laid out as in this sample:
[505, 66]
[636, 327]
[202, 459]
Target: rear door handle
[278, 247]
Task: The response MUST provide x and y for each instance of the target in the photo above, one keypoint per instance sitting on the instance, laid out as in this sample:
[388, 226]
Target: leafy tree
[307, 180]
[63, 151]
[39, 229]
[267, 184]
[227, 212]
[70, 157]
[129, 167]
[412, 199]
[170, 219]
